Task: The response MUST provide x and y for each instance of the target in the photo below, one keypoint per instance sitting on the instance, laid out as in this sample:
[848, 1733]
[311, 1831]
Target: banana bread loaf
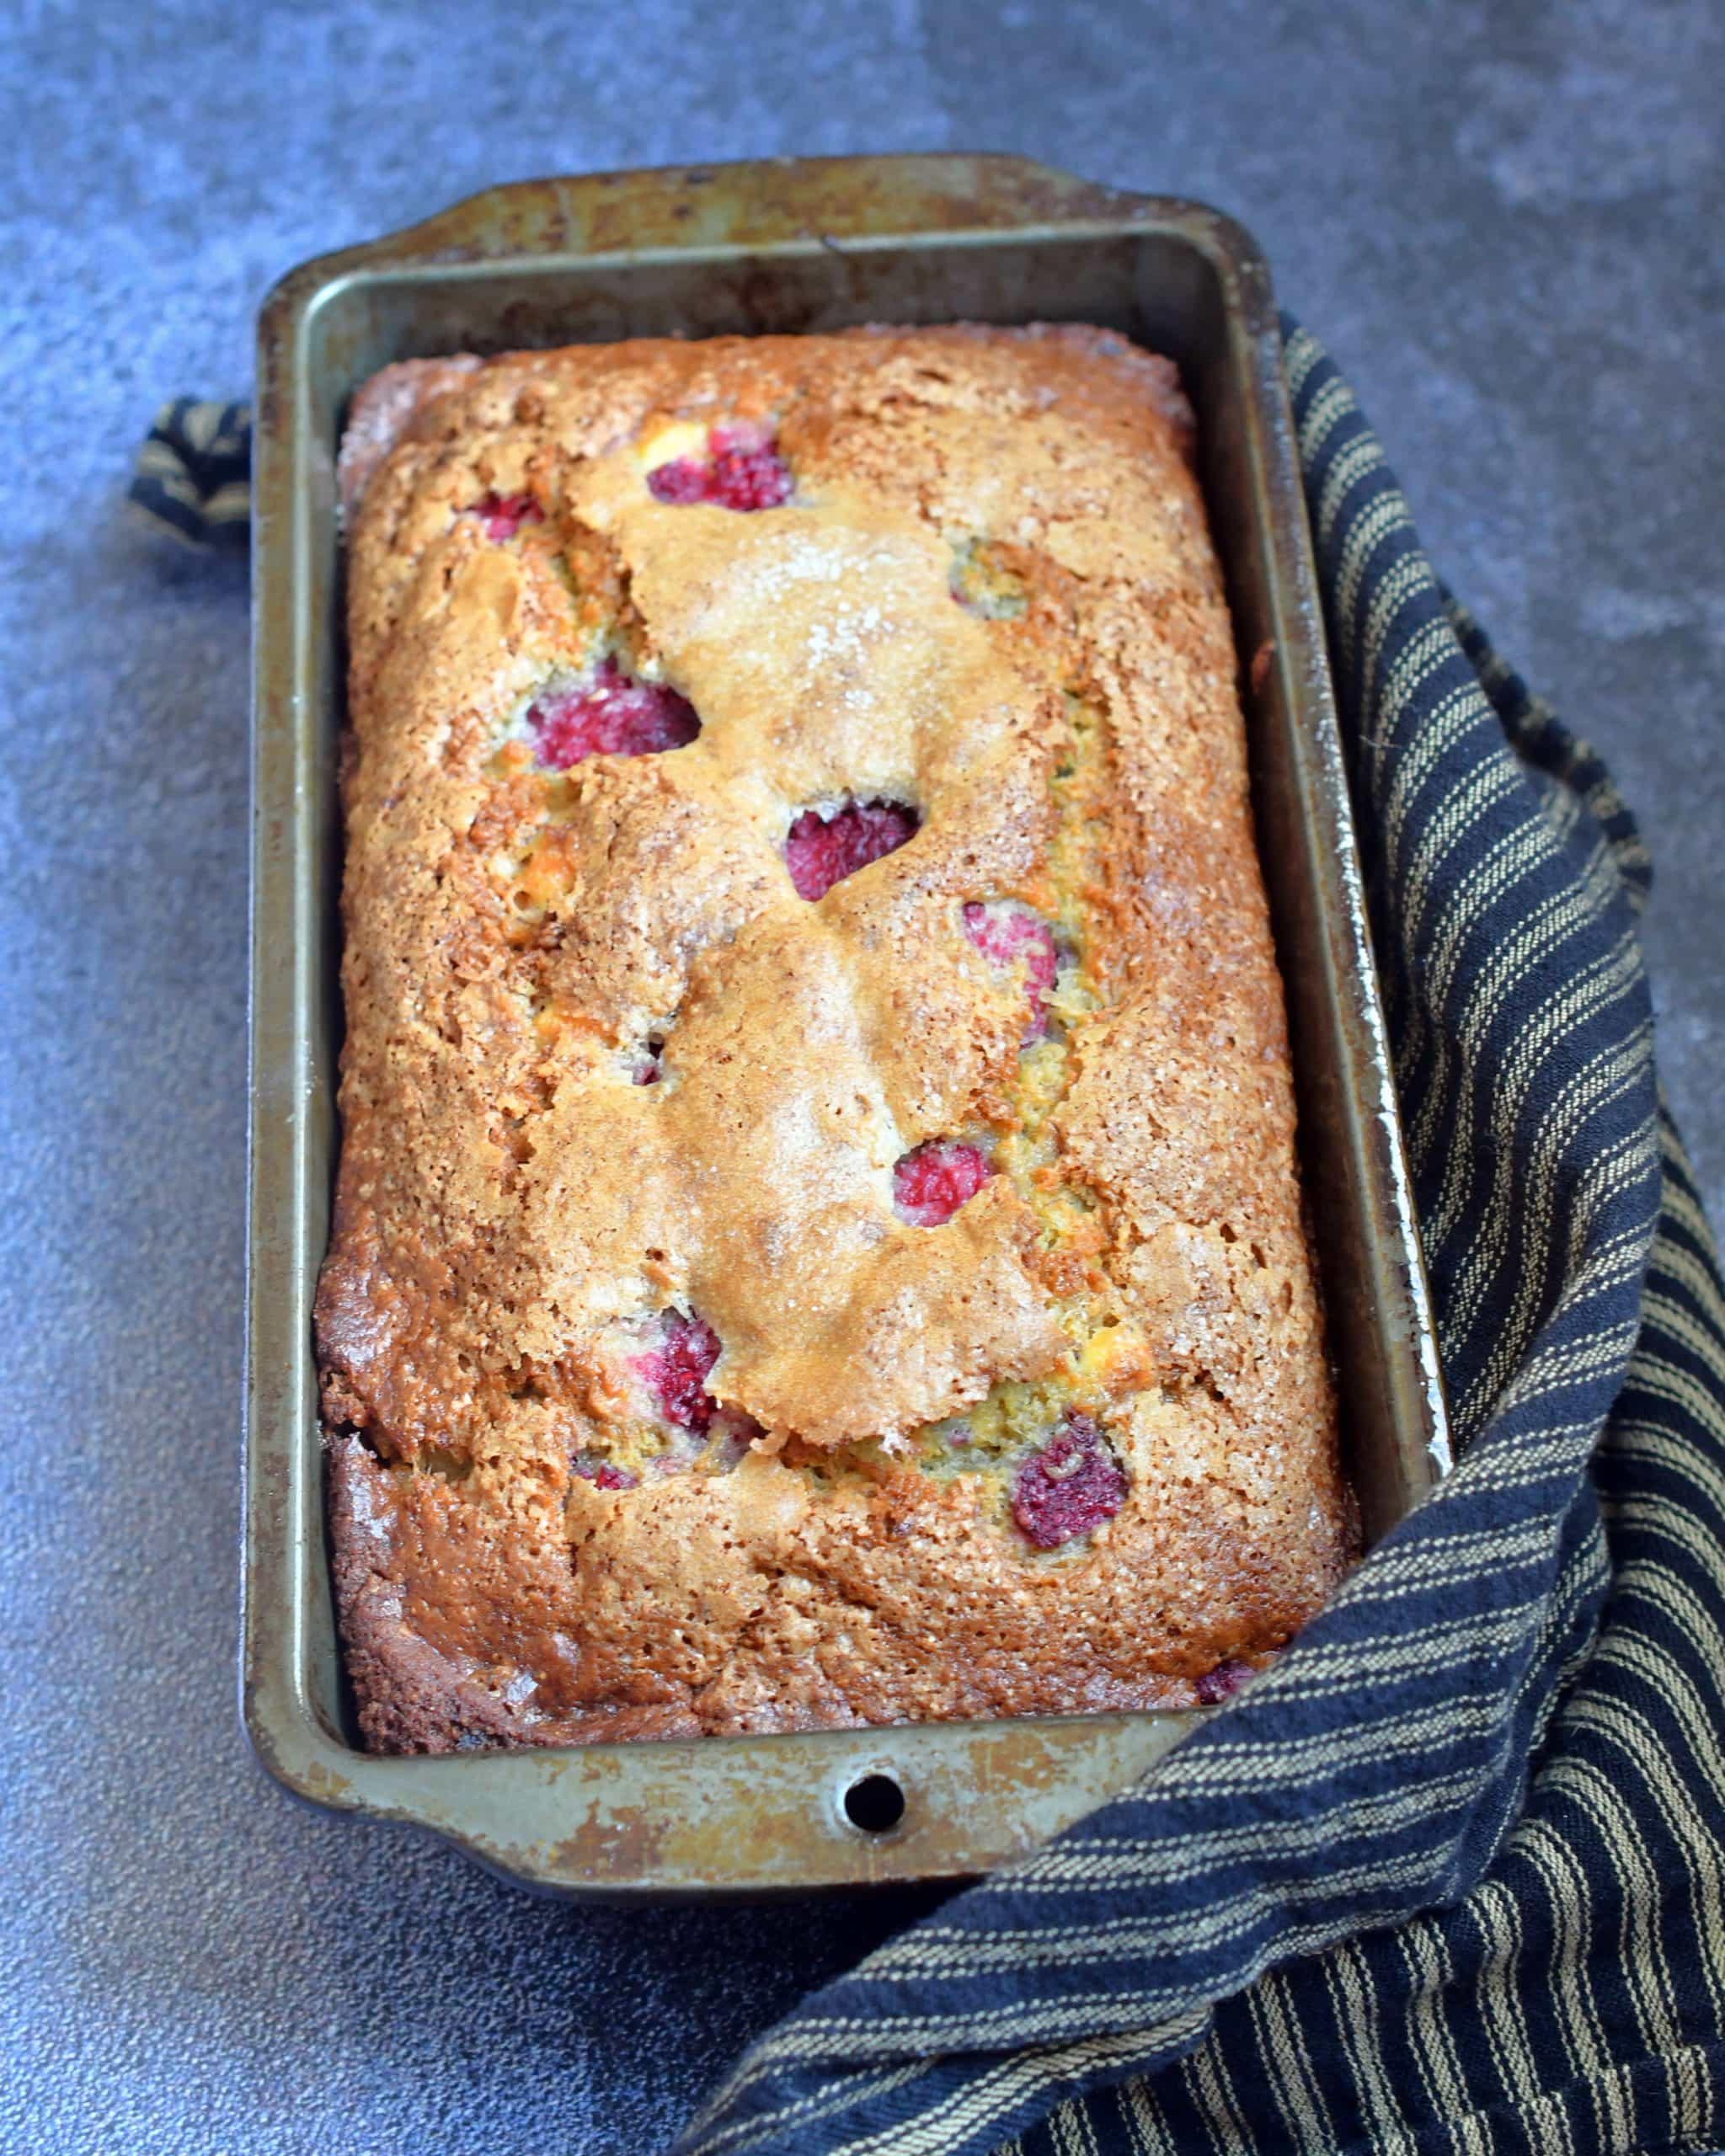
[818, 1238]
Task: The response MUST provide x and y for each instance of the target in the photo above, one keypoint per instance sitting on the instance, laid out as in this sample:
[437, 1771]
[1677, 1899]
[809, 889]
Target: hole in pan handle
[874, 1804]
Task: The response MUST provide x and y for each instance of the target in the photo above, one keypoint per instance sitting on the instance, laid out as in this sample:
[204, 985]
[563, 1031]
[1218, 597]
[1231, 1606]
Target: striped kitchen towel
[192, 479]
[1451, 1876]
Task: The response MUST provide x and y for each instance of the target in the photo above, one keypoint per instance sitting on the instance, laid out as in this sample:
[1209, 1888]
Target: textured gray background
[1506, 221]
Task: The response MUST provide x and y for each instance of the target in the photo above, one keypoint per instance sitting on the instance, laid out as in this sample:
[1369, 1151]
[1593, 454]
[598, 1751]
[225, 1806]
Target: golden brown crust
[513, 1214]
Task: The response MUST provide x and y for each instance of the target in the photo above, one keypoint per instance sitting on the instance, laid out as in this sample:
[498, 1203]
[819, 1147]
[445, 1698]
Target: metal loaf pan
[791, 246]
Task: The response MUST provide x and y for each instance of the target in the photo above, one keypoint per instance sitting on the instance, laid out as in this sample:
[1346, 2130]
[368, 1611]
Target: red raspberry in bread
[603, 1474]
[820, 851]
[675, 1370]
[931, 1181]
[742, 470]
[610, 716]
[1013, 938]
[502, 515]
[682, 481]
[1071, 1486]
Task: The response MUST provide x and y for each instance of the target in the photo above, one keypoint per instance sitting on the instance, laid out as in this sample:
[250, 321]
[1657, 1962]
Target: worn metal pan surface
[785, 246]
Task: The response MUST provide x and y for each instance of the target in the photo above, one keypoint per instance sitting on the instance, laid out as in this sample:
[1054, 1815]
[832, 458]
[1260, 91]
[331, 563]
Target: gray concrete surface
[1505, 219]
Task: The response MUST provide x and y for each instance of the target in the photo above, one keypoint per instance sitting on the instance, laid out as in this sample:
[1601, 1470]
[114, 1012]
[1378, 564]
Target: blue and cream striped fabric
[1452, 1877]
[192, 476]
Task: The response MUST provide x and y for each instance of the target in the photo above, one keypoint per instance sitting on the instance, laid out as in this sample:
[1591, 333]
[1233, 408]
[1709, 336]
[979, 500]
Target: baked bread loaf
[818, 1238]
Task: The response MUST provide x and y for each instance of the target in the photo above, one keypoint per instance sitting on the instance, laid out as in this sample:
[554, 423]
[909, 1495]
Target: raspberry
[822, 851]
[603, 1474]
[748, 471]
[1072, 1485]
[676, 1371]
[744, 470]
[611, 716]
[680, 482]
[931, 1181]
[503, 515]
[1009, 935]
[1226, 1677]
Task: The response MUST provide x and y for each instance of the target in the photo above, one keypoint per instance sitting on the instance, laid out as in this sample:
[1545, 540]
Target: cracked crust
[515, 1209]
